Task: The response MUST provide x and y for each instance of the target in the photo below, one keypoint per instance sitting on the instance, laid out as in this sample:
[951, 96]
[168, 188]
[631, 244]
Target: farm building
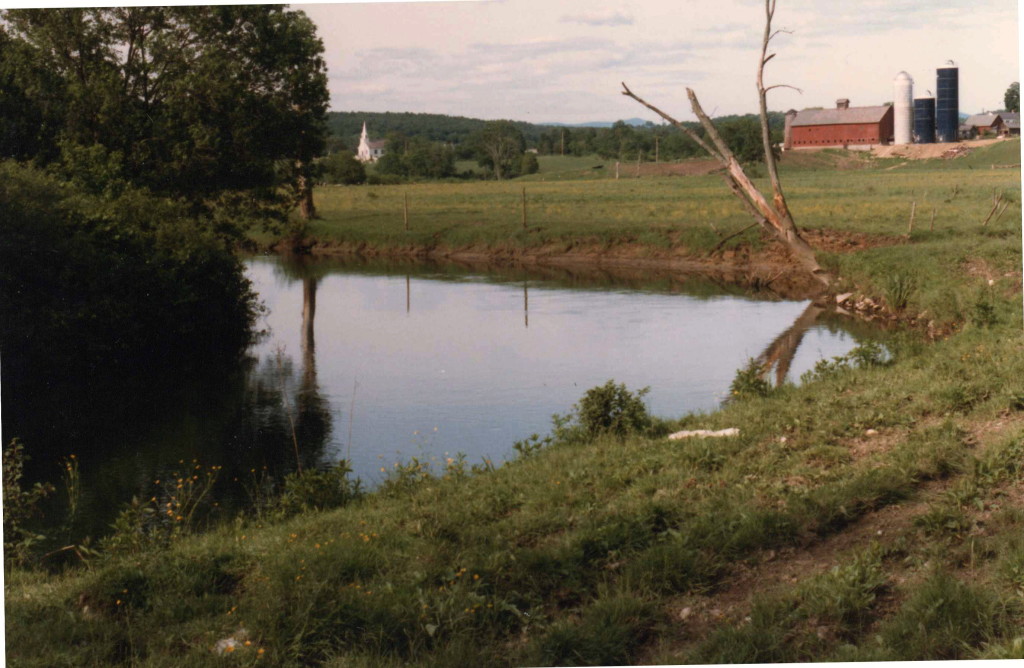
[981, 125]
[369, 151]
[1012, 121]
[842, 126]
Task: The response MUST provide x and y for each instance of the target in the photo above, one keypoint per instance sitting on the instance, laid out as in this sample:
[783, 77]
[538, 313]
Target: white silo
[903, 109]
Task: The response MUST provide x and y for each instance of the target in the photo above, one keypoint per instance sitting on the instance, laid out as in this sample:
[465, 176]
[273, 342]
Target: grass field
[570, 202]
[875, 512]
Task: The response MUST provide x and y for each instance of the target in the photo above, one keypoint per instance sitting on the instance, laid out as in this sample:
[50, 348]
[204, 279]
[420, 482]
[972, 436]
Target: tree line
[428, 145]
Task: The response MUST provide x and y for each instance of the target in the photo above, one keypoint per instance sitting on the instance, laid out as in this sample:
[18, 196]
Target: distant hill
[632, 138]
[347, 125]
[635, 122]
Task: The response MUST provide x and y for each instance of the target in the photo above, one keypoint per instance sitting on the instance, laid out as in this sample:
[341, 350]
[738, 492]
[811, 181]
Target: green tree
[499, 146]
[343, 168]
[208, 104]
[1011, 99]
[106, 284]
[530, 165]
[743, 136]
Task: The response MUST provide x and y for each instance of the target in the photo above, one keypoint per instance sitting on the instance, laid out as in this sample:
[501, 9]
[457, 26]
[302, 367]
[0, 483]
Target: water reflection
[452, 373]
[780, 352]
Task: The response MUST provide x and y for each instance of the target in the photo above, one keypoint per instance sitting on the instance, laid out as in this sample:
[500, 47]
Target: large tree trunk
[304, 187]
[773, 216]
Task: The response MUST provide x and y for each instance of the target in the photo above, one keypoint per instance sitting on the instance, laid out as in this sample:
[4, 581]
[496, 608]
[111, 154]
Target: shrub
[109, 283]
[343, 168]
[749, 382]
[318, 489]
[606, 409]
[899, 289]
[19, 504]
[529, 164]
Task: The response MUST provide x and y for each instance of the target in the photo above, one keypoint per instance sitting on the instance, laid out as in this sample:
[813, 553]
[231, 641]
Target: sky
[563, 60]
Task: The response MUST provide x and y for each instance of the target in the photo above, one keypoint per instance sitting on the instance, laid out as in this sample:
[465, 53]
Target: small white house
[369, 151]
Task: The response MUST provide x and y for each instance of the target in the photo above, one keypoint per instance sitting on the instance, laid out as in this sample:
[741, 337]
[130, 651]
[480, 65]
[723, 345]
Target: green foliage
[942, 620]
[899, 289]
[342, 168]
[1011, 98]
[606, 409]
[531, 445]
[416, 158]
[121, 283]
[865, 356]
[984, 313]
[318, 490]
[530, 165]
[608, 633]
[847, 593]
[778, 628]
[19, 505]
[499, 147]
[743, 136]
[189, 102]
[750, 382]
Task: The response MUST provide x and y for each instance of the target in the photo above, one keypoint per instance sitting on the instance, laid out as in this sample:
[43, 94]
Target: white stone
[704, 433]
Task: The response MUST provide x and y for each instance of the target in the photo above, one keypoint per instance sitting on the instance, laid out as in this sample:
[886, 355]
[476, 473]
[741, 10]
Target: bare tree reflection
[780, 352]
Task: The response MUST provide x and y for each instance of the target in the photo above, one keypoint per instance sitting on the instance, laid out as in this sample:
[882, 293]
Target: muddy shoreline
[763, 270]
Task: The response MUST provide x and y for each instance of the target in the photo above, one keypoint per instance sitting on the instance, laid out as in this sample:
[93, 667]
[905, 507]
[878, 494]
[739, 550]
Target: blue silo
[947, 104]
[924, 120]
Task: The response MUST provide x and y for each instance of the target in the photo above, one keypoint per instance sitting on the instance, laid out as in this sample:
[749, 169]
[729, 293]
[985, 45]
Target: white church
[369, 151]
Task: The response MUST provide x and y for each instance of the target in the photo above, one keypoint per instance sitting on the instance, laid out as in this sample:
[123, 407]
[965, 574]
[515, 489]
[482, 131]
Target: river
[380, 363]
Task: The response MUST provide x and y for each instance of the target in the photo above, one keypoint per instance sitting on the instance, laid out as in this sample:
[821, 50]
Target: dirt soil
[931, 151]
[769, 268]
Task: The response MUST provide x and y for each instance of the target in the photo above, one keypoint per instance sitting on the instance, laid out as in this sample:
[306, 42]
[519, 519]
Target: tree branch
[689, 133]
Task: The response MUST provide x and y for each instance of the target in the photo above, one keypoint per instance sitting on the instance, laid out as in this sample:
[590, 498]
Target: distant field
[571, 201]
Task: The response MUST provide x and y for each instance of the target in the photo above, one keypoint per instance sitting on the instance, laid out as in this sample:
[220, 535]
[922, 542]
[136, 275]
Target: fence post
[524, 207]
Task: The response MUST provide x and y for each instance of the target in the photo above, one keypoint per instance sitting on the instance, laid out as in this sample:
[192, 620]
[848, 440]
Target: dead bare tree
[773, 216]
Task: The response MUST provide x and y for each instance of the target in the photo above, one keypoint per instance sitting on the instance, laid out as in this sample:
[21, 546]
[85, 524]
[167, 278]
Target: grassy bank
[847, 202]
[874, 512]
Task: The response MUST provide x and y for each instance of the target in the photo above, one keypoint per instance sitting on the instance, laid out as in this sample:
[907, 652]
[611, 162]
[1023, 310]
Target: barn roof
[1012, 119]
[981, 120]
[852, 115]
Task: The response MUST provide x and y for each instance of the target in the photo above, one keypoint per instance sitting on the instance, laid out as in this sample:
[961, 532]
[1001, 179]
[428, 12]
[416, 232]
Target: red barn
[842, 126]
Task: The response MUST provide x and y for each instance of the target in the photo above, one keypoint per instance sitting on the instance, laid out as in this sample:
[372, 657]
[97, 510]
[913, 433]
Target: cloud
[605, 18]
